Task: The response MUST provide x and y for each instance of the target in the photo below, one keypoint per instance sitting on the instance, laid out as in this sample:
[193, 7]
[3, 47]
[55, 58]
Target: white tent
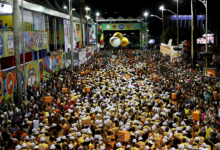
[100, 19]
[110, 19]
[120, 19]
[139, 18]
[130, 19]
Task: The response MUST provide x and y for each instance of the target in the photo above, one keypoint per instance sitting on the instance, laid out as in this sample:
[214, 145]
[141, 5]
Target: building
[185, 22]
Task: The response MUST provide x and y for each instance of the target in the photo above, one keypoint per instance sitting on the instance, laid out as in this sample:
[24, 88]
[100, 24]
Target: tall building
[185, 22]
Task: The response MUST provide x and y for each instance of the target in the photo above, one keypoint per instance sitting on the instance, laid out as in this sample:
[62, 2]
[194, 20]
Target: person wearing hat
[42, 144]
[27, 139]
[140, 143]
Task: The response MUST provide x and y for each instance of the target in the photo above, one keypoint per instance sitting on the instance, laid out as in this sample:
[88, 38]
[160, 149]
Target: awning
[110, 19]
[120, 19]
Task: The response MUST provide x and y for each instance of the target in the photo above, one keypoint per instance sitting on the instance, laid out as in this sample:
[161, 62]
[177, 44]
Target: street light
[177, 23]
[157, 17]
[145, 15]
[65, 7]
[162, 8]
[87, 8]
[205, 3]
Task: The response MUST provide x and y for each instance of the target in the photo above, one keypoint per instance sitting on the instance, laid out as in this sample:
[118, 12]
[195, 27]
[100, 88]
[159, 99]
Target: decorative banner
[31, 41]
[1, 89]
[1, 45]
[78, 35]
[10, 43]
[177, 57]
[31, 73]
[8, 79]
[92, 34]
[211, 72]
[10, 83]
[165, 50]
[66, 34]
[124, 26]
[100, 36]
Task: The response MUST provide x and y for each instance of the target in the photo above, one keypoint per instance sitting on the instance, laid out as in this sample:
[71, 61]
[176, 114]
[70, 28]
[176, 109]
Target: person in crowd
[137, 101]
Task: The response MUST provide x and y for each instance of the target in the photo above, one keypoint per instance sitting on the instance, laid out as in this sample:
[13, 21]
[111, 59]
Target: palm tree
[82, 12]
[16, 32]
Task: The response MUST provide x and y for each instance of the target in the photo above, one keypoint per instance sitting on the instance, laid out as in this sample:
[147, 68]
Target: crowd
[134, 102]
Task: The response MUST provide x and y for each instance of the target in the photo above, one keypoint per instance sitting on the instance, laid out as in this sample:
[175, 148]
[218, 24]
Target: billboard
[121, 26]
[48, 65]
[33, 41]
[210, 39]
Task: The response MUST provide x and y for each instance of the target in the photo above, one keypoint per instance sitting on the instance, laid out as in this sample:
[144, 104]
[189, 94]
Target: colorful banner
[211, 72]
[92, 34]
[51, 64]
[48, 65]
[78, 35]
[8, 83]
[165, 50]
[33, 41]
[7, 2]
[121, 26]
[100, 36]
[66, 34]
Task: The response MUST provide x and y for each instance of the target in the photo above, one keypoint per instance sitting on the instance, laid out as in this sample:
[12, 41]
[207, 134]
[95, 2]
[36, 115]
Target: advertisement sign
[1, 45]
[77, 29]
[8, 80]
[211, 72]
[10, 43]
[165, 50]
[33, 41]
[92, 34]
[1, 89]
[124, 26]
[10, 83]
[210, 39]
[66, 34]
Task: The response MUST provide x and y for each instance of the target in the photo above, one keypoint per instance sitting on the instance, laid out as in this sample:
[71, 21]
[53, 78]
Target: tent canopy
[120, 19]
[110, 19]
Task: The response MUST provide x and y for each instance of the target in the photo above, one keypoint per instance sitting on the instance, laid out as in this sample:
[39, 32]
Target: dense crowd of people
[136, 101]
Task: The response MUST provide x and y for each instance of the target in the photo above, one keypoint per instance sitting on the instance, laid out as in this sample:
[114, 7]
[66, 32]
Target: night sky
[135, 8]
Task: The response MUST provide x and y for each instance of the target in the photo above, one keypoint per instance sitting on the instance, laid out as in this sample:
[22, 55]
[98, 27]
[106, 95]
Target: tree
[171, 33]
[16, 32]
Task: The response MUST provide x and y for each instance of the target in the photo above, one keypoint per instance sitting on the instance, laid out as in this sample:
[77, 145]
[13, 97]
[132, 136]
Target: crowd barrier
[48, 65]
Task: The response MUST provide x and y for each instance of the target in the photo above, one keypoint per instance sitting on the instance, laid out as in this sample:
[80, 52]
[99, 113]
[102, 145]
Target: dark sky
[135, 8]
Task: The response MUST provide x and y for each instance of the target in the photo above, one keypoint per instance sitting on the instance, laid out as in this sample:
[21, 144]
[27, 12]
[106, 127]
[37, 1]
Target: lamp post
[162, 8]
[145, 15]
[87, 30]
[97, 36]
[177, 21]
[205, 3]
[177, 1]
[160, 19]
